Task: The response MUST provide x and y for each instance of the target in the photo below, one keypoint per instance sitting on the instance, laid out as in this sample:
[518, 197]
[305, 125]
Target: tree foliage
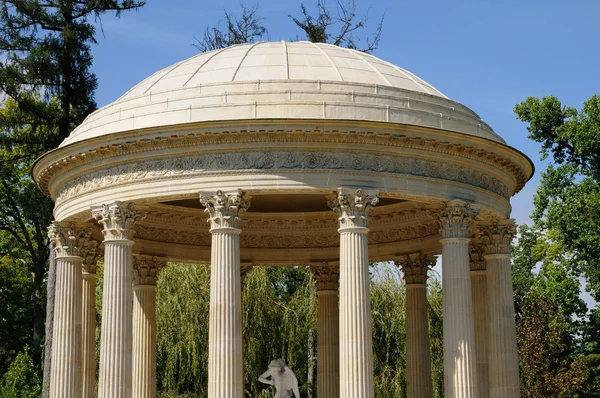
[22, 380]
[568, 198]
[280, 321]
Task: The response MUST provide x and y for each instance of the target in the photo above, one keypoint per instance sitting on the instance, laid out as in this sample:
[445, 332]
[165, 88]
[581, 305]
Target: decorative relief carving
[327, 276]
[192, 139]
[476, 256]
[280, 160]
[415, 267]
[455, 219]
[146, 269]
[498, 236]
[224, 210]
[290, 241]
[402, 233]
[118, 220]
[353, 207]
[69, 239]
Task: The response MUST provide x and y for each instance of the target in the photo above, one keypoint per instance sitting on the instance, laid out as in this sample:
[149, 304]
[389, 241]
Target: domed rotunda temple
[284, 154]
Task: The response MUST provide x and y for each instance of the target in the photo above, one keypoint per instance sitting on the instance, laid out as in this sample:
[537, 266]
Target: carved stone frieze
[193, 139]
[415, 267]
[327, 276]
[402, 233]
[455, 219]
[187, 166]
[353, 207]
[69, 239]
[498, 235]
[224, 209]
[118, 220]
[146, 269]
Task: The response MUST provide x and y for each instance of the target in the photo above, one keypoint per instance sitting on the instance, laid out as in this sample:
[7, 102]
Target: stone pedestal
[66, 377]
[88, 301]
[460, 374]
[118, 220]
[225, 357]
[144, 325]
[479, 296]
[356, 345]
[503, 357]
[418, 355]
[328, 334]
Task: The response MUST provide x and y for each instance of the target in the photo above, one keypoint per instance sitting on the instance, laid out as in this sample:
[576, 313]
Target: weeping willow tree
[280, 321]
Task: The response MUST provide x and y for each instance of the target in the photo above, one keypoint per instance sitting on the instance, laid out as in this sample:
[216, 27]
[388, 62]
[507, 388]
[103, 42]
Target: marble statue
[282, 377]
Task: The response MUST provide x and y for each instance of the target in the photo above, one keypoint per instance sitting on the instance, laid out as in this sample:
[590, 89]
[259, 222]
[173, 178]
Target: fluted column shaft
[116, 332]
[504, 362]
[225, 360]
[328, 347]
[66, 375]
[144, 341]
[418, 357]
[481, 321]
[145, 273]
[89, 334]
[70, 245]
[118, 220]
[503, 358]
[225, 351]
[328, 332]
[356, 344]
[460, 371]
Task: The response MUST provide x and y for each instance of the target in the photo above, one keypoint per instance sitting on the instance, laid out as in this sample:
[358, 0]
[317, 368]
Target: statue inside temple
[282, 377]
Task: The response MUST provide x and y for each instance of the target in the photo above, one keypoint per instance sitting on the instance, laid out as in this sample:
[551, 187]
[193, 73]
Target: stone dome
[281, 80]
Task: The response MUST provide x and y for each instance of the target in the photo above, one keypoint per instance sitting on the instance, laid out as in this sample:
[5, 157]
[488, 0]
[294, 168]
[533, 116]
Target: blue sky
[488, 55]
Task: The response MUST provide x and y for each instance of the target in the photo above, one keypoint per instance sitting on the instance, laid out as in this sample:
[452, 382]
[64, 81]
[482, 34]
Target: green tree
[568, 198]
[22, 379]
[45, 72]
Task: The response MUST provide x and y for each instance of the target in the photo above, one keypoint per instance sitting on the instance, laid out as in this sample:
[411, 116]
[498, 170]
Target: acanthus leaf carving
[498, 235]
[415, 267]
[224, 209]
[146, 269]
[327, 276]
[455, 219]
[118, 220]
[353, 207]
[69, 239]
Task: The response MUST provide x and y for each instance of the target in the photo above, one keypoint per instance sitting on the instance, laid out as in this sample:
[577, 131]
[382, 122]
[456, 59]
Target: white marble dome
[281, 80]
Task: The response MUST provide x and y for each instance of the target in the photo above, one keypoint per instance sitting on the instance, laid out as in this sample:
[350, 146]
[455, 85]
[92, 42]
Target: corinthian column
[145, 271]
[460, 378]
[328, 335]
[66, 377]
[88, 301]
[504, 363]
[418, 356]
[479, 296]
[225, 357]
[118, 220]
[356, 345]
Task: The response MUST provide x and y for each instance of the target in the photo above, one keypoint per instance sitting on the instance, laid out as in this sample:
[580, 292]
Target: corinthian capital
[118, 219]
[146, 269]
[353, 207]
[224, 209]
[69, 239]
[476, 259]
[327, 276]
[415, 267]
[91, 253]
[455, 219]
[498, 235]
